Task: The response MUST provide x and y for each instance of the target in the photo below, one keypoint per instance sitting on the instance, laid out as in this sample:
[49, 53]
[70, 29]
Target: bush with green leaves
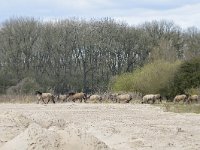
[193, 91]
[155, 77]
[123, 82]
[187, 77]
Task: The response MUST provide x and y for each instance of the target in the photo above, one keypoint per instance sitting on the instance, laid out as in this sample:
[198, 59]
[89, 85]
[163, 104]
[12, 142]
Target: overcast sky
[185, 13]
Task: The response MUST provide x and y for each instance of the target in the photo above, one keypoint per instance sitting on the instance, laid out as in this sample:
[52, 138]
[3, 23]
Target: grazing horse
[179, 98]
[44, 96]
[62, 98]
[77, 96]
[147, 98]
[158, 97]
[192, 98]
[151, 97]
[123, 98]
[95, 97]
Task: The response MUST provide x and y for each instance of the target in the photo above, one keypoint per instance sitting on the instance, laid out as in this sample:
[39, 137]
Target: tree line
[80, 55]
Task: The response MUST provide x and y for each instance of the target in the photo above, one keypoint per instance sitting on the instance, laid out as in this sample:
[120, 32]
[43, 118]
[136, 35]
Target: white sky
[184, 13]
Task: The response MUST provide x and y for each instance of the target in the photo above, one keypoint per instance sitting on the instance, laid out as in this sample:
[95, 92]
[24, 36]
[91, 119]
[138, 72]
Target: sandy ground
[75, 126]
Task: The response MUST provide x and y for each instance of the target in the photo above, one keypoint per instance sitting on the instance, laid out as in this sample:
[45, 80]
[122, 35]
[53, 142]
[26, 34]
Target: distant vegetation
[95, 55]
[187, 79]
[166, 78]
[155, 77]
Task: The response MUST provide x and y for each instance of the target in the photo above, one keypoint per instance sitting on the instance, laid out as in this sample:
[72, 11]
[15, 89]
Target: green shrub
[122, 82]
[152, 78]
[193, 91]
[187, 77]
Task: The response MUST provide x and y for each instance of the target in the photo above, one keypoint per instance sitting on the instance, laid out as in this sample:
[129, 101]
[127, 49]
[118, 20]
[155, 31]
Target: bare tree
[80, 55]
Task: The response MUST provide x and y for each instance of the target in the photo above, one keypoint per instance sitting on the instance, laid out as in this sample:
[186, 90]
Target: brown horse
[44, 96]
[77, 96]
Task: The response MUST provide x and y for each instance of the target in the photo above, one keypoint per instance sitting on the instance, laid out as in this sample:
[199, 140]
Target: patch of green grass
[180, 108]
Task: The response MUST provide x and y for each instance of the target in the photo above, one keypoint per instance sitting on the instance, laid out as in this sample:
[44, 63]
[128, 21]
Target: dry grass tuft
[180, 108]
[18, 99]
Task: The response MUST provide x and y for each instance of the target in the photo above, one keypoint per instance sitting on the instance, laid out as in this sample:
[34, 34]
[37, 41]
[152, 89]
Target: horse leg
[38, 101]
[48, 100]
[43, 101]
[174, 101]
[53, 99]
[187, 101]
[85, 98]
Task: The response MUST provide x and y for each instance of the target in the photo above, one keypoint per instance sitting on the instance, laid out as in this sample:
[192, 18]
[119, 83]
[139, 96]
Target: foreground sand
[75, 126]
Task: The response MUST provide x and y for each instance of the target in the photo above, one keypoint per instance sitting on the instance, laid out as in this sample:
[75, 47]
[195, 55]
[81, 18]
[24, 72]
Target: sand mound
[75, 139]
[11, 124]
[47, 119]
[37, 138]
[14, 123]
[42, 131]
[34, 137]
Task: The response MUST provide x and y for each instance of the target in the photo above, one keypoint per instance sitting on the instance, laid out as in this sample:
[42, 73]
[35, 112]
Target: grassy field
[180, 108]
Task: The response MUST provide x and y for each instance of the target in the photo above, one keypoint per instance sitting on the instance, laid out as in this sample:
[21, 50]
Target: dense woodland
[80, 55]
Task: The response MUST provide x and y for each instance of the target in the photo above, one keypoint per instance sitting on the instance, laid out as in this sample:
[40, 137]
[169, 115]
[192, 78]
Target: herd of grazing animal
[114, 97]
[178, 98]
